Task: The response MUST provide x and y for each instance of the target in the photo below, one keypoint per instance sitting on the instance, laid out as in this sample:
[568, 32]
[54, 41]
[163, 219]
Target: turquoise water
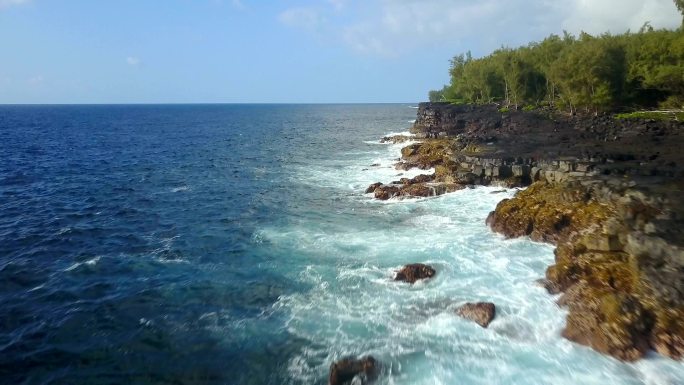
[234, 245]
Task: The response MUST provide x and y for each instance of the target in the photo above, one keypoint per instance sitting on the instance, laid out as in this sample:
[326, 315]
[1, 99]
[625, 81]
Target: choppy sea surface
[234, 244]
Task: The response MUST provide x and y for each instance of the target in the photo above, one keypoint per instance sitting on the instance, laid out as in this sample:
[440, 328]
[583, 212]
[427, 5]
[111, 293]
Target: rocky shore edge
[608, 193]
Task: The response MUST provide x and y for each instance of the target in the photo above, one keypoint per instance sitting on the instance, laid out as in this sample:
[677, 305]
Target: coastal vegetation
[630, 71]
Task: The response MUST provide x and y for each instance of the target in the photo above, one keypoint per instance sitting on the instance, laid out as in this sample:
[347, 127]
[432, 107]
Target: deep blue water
[121, 226]
[233, 244]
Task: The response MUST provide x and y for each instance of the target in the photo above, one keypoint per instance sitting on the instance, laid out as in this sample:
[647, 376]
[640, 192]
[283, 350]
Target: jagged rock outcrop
[444, 119]
[608, 193]
[564, 146]
[623, 280]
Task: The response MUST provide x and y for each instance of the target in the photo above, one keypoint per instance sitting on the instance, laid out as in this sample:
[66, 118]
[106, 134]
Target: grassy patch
[655, 115]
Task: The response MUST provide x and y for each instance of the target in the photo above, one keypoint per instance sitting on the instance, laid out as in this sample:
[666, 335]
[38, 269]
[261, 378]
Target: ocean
[234, 244]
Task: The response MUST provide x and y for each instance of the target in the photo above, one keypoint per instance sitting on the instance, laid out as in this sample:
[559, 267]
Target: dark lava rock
[467, 178]
[373, 187]
[344, 371]
[481, 313]
[418, 190]
[413, 272]
[422, 178]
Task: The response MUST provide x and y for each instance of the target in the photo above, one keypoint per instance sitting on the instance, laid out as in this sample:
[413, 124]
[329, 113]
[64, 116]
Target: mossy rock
[434, 152]
[411, 150]
[549, 212]
[609, 321]
[446, 172]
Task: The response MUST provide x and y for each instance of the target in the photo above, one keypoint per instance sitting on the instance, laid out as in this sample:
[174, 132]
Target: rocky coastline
[607, 193]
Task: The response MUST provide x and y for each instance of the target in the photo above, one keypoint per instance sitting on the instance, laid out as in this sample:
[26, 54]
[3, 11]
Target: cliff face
[444, 119]
[618, 260]
[609, 194]
[558, 143]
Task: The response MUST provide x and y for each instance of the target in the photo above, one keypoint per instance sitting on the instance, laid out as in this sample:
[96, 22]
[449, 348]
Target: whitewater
[234, 244]
[354, 308]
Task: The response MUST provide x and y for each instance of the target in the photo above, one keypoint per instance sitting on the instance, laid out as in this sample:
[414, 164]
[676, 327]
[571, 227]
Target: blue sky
[281, 51]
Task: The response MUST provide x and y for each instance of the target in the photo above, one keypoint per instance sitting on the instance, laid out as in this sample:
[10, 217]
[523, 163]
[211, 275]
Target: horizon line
[197, 103]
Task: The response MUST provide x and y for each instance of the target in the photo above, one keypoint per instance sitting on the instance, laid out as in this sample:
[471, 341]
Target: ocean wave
[180, 189]
[90, 262]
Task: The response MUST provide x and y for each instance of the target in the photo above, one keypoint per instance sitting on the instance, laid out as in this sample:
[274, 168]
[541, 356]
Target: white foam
[180, 189]
[64, 230]
[90, 262]
[400, 133]
[353, 305]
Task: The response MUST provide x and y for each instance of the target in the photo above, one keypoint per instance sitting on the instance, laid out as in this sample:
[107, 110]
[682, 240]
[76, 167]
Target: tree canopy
[597, 73]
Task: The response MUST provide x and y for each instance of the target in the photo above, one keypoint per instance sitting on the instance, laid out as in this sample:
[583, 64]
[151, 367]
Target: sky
[279, 51]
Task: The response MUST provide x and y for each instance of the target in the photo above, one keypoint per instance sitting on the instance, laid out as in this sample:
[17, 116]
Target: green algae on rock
[612, 303]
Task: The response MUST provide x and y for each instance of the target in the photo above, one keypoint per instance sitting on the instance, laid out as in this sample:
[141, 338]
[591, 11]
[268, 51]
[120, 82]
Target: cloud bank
[393, 27]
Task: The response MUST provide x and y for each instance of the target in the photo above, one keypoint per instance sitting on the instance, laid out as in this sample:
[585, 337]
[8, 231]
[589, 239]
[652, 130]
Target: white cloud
[394, 27]
[133, 61]
[403, 25]
[302, 17]
[9, 3]
[596, 17]
[238, 4]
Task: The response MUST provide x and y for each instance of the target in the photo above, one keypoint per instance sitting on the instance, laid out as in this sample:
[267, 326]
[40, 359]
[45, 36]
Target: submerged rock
[414, 272]
[481, 313]
[350, 370]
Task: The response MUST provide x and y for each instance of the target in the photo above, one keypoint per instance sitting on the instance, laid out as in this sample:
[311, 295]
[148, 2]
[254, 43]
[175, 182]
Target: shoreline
[606, 194]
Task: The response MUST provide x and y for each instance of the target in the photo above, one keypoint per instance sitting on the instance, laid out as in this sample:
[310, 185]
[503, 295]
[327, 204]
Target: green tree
[597, 73]
[680, 7]
[591, 75]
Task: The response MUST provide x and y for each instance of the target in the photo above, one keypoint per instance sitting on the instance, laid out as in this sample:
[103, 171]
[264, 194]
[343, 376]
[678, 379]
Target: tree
[597, 73]
[591, 74]
[680, 7]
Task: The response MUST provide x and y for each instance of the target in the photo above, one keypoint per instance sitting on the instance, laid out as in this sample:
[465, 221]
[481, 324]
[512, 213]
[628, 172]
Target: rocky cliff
[608, 193]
